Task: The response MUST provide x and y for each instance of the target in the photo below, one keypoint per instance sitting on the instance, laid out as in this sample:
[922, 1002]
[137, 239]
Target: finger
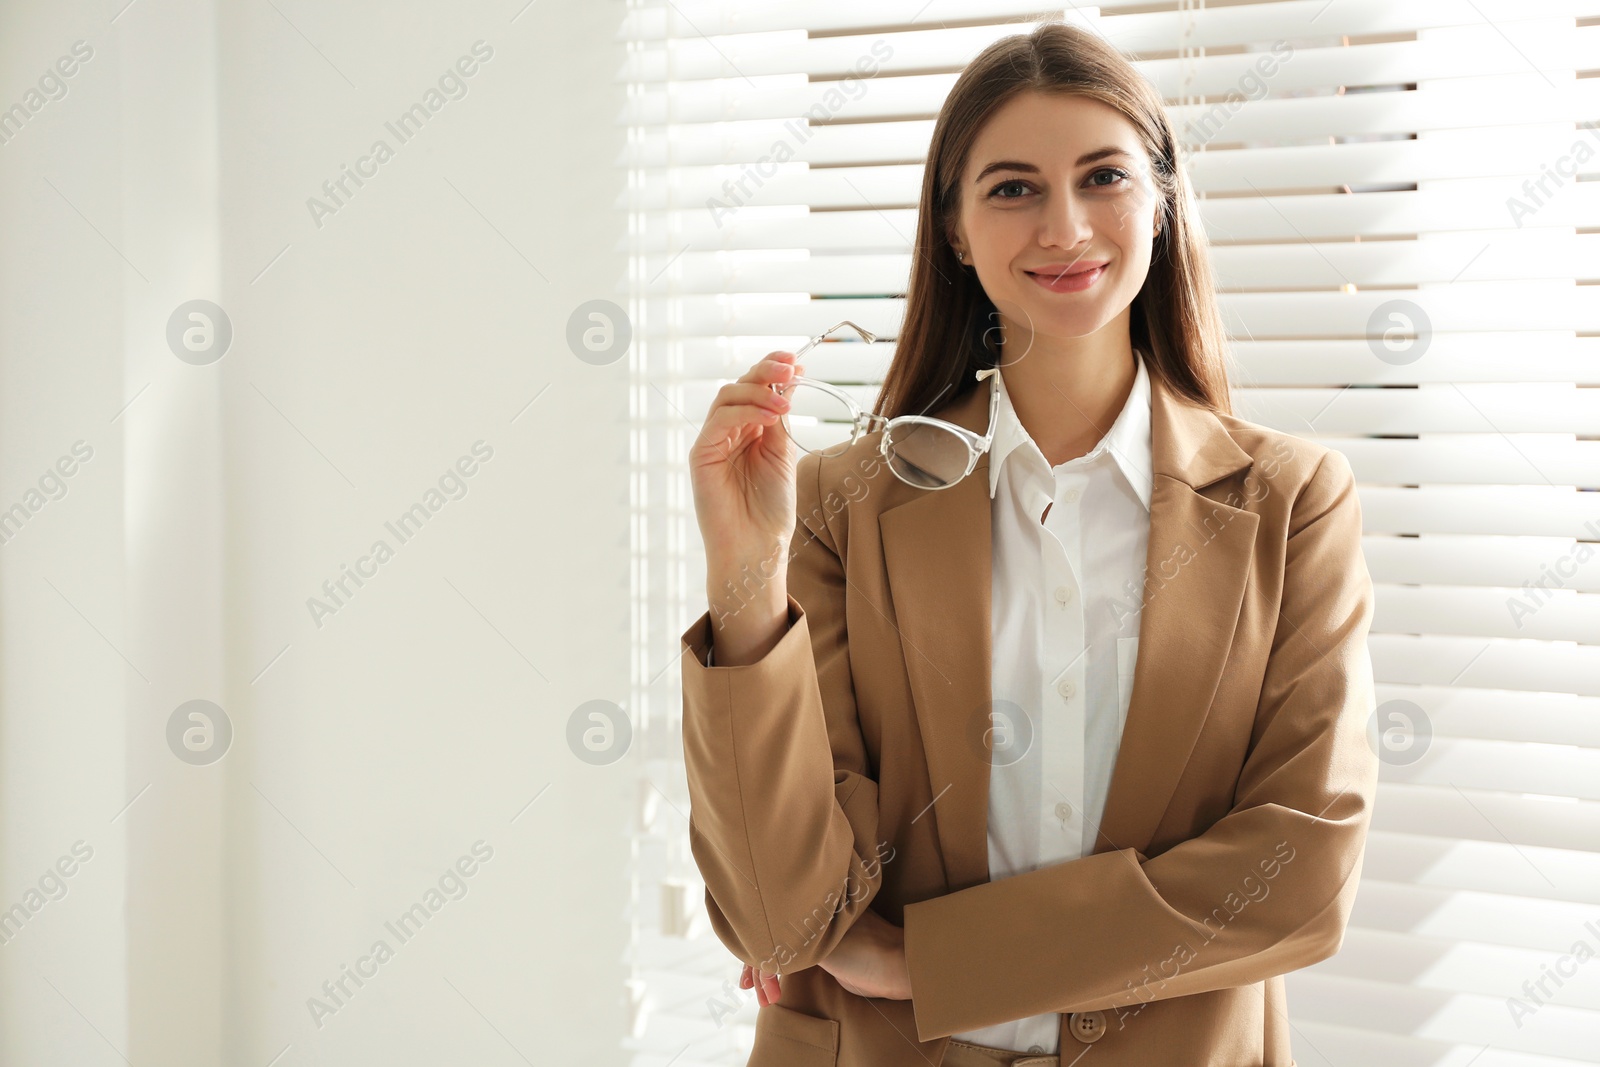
[771, 982]
[728, 421]
[744, 978]
[777, 366]
[731, 422]
[760, 393]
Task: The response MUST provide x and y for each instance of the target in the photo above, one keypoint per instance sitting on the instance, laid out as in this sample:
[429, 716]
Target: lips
[1076, 279]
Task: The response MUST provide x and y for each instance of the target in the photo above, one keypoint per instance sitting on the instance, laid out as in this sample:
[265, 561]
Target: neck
[1068, 390]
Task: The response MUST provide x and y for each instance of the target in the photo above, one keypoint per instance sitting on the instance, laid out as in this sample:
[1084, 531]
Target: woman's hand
[870, 962]
[767, 991]
[741, 471]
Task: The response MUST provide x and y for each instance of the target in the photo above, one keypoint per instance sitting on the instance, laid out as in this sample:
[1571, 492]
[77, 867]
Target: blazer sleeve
[1265, 890]
[783, 821]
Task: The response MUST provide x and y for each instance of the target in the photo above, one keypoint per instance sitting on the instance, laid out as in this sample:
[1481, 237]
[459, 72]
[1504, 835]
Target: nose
[1064, 222]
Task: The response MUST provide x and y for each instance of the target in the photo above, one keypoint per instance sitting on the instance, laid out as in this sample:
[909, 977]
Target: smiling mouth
[1074, 281]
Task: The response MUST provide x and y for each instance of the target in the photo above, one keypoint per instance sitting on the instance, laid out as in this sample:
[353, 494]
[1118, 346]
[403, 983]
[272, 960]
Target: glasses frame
[865, 422]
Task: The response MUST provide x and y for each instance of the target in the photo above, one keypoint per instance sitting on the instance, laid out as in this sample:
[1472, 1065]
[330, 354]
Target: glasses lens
[927, 456]
[817, 420]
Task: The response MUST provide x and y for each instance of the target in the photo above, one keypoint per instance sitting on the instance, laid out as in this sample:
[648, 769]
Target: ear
[956, 239]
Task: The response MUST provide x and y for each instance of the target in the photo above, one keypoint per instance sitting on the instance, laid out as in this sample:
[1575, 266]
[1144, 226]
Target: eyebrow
[1029, 168]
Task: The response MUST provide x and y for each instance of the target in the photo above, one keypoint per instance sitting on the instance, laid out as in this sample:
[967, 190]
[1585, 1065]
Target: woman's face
[1034, 214]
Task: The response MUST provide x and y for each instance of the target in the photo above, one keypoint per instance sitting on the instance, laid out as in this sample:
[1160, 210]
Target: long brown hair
[950, 323]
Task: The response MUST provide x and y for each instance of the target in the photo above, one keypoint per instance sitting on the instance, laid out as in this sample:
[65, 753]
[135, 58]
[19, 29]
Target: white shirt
[1065, 612]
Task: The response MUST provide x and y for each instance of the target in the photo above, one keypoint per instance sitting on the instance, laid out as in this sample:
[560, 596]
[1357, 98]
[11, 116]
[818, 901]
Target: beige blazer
[847, 768]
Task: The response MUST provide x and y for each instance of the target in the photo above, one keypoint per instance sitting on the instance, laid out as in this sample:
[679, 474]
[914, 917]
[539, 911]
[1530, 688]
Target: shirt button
[1035, 1049]
[1070, 496]
[1064, 593]
[1066, 688]
[1063, 811]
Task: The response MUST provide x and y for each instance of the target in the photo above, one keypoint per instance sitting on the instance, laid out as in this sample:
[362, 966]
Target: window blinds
[1426, 170]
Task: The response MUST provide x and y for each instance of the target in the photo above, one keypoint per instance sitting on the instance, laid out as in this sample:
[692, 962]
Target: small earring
[961, 257]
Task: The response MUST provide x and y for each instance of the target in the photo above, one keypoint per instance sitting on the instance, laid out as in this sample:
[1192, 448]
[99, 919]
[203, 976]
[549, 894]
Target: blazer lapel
[938, 554]
[936, 546]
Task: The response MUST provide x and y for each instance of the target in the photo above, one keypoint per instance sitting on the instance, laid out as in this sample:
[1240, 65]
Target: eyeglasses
[922, 451]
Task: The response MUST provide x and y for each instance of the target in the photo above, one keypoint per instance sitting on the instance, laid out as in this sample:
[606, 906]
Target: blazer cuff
[697, 639]
[1008, 949]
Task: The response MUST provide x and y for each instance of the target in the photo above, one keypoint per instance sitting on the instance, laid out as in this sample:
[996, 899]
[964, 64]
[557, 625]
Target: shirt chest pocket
[1127, 655]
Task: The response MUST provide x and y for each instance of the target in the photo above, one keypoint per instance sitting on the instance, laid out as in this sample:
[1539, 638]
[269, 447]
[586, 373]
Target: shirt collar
[1128, 440]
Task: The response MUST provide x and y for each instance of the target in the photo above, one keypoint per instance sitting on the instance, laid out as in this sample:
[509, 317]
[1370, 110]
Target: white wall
[424, 713]
[65, 691]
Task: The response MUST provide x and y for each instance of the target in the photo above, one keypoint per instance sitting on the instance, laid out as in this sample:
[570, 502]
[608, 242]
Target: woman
[1065, 749]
